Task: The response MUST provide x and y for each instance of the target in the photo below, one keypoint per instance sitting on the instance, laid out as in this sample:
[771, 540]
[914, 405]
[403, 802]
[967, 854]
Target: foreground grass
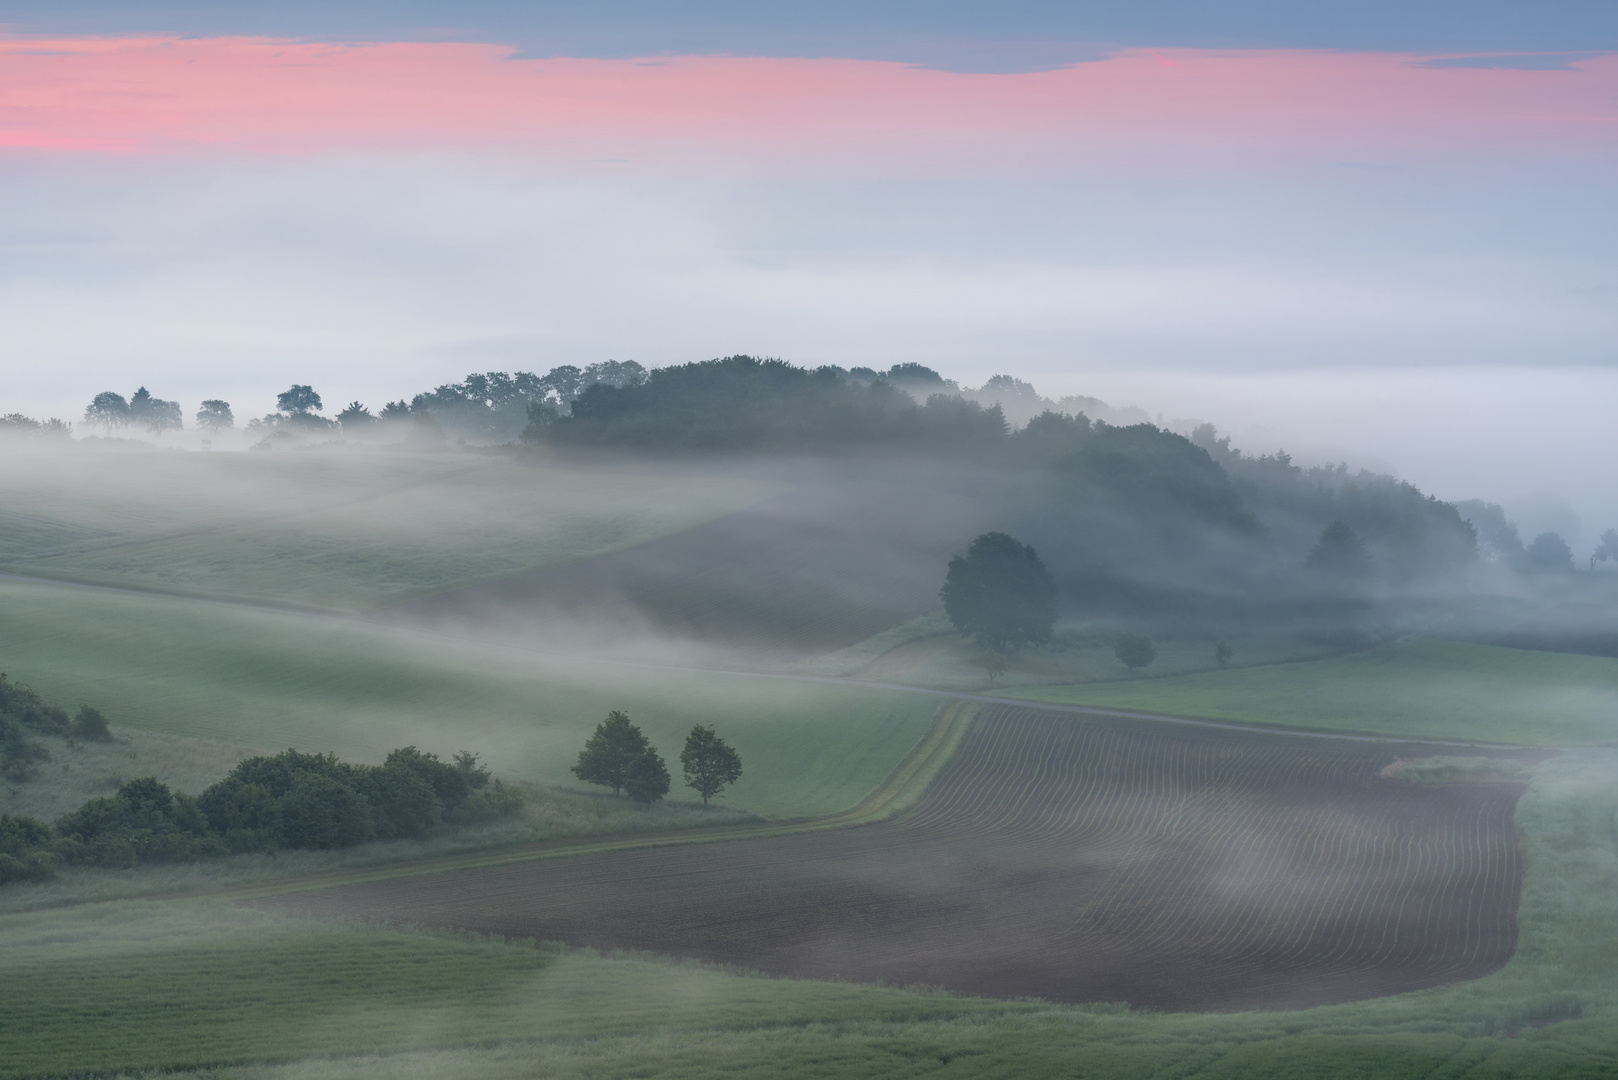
[246, 677]
[1417, 689]
[241, 993]
[344, 529]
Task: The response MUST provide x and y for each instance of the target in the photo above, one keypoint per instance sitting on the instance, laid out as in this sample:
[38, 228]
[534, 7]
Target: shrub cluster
[295, 800]
[24, 713]
[291, 800]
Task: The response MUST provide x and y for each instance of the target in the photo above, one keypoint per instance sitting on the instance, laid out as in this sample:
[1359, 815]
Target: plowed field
[1064, 857]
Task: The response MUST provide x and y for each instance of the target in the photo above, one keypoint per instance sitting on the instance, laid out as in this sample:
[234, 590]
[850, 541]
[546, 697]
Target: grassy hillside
[166, 984]
[259, 678]
[340, 530]
[1418, 689]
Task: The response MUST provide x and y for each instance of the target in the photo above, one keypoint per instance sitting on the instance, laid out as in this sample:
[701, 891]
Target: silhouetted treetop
[742, 402]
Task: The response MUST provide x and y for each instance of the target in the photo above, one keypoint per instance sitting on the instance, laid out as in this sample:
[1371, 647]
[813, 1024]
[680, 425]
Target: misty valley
[736, 715]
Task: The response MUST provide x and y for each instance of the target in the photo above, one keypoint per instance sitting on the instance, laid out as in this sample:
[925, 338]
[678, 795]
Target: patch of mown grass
[250, 676]
[345, 529]
[1414, 689]
[356, 1007]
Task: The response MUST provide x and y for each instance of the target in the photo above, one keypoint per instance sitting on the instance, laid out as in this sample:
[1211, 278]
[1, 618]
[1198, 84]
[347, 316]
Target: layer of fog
[1396, 320]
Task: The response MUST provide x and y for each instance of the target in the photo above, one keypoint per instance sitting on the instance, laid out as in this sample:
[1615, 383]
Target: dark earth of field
[1063, 857]
[823, 568]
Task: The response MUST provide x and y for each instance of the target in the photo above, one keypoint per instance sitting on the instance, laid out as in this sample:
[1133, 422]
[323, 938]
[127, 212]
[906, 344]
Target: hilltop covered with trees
[1115, 504]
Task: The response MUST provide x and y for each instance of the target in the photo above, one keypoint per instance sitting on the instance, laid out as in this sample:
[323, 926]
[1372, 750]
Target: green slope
[341, 530]
[1419, 689]
[267, 679]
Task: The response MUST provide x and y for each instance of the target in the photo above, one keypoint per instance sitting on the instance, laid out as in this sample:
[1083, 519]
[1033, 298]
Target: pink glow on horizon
[165, 95]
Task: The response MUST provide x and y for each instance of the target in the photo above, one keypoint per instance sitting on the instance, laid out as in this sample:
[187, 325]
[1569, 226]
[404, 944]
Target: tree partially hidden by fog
[356, 417]
[298, 399]
[1134, 650]
[215, 416]
[1000, 594]
[710, 763]
[1339, 554]
[153, 413]
[615, 744]
[107, 411]
[1550, 554]
[1606, 549]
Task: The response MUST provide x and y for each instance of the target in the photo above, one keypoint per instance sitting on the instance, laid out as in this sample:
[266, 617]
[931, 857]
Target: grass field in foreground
[168, 984]
[266, 679]
[1416, 689]
[345, 529]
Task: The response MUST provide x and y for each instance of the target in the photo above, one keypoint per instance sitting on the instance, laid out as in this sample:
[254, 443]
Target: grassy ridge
[446, 1008]
[268, 679]
[339, 531]
[1422, 689]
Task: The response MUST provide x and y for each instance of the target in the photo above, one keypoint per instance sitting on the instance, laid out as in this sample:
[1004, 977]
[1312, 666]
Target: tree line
[291, 801]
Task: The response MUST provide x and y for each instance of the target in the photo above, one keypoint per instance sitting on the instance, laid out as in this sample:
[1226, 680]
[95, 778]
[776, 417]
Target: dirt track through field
[1074, 860]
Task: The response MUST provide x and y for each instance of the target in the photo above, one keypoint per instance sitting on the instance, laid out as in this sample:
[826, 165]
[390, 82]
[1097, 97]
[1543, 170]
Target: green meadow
[233, 992]
[1417, 689]
[344, 530]
[95, 985]
[263, 679]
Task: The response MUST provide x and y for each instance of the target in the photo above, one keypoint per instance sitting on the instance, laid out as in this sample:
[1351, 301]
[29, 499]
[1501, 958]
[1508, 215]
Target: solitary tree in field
[608, 753]
[107, 411]
[646, 779]
[215, 416]
[1223, 652]
[710, 763]
[1134, 651]
[1000, 594]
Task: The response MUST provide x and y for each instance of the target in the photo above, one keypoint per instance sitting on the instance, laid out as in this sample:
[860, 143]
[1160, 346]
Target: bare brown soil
[1065, 858]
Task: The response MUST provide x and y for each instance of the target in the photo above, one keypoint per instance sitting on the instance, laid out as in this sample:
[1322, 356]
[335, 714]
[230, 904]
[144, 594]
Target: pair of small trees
[618, 755]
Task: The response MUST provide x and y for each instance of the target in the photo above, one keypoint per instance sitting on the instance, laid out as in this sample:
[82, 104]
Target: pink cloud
[147, 95]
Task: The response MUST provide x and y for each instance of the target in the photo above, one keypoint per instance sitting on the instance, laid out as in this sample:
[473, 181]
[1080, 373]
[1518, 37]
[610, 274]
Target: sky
[1380, 233]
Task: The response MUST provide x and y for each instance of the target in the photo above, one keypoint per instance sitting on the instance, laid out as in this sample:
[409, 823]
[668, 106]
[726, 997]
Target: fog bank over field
[1453, 328]
[1539, 441]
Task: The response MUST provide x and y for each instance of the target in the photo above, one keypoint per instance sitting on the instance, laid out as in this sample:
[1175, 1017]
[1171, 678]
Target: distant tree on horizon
[355, 416]
[298, 399]
[1223, 652]
[1000, 594]
[215, 416]
[710, 763]
[107, 411]
[155, 414]
[609, 751]
[1134, 651]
